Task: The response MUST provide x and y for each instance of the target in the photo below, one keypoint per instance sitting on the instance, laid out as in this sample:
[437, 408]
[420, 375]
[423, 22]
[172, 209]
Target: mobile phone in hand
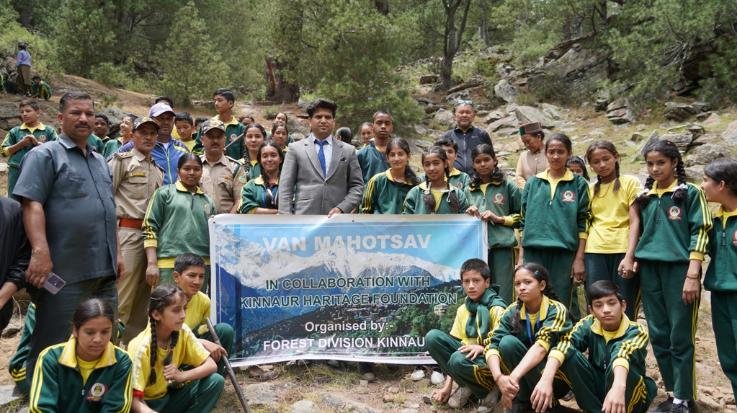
[54, 283]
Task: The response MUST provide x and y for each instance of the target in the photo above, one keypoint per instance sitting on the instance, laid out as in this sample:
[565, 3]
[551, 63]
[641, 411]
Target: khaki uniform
[222, 181]
[135, 178]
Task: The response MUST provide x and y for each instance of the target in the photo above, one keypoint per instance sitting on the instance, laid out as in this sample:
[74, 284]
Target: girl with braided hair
[517, 349]
[385, 191]
[614, 225]
[435, 195]
[675, 222]
[495, 200]
[555, 216]
[159, 385]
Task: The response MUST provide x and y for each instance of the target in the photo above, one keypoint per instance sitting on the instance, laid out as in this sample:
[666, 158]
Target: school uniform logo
[569, 196]
[674, 213]
[96, 392]
[233, 137]
[499, 199]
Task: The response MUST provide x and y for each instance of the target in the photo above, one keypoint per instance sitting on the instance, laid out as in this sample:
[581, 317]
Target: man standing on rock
[66, 192]
[465, 135]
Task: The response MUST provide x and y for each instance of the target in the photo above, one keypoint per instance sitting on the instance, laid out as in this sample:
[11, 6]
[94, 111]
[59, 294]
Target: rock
[650, 140]
[304, 406]
[432, 108]
[263, 394]
[506, 122]
[695, 173]
[444, 117]
[681, 140]
[339, 403]
[417, 375]
[494, 116]
[600, 104]
[527, 114]
[701, 106]
[678, 111]
[388, 398]
[730, 134]
[428, 79]
[703, 116]
[552, 111]
[637, 137]
[506, 91]
[704, 154]
[696, 130]
[7, 395]
[713, 119]
[618, 112]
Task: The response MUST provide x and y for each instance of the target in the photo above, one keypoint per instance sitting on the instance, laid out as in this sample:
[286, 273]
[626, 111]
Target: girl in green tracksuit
[675, 222]
[260, 194]
[495, 200]
[555, 215]
[87, 373]
[720, 186]
[159, 352]
[385, 191]
[517, 348]
[435, 195]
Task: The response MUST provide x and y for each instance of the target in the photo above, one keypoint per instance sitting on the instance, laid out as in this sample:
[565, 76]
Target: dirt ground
[341, 389]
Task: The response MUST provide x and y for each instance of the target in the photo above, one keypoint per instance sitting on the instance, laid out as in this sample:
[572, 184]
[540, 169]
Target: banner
[350, 287]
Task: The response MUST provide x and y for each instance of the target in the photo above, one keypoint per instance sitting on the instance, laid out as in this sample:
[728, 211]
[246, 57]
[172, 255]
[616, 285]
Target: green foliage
[191, 67]
[41, 49]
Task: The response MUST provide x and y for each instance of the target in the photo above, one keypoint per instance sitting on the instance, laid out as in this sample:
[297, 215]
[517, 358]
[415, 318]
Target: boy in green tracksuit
[497, 201]
[23, 138]
[96, 143]
[40, 89]
[675, 222]
[612, 378]
[17, 364]
[456, 178]
[224, 101]
[460, 354]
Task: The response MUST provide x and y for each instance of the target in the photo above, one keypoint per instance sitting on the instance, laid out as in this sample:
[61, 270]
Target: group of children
[626, 244]
[171, 366]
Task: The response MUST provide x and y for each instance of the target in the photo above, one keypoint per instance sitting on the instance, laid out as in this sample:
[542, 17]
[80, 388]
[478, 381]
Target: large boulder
[704, 154]
[680, 111]
[528, 114]
[428, 79]
[444, 117]
[682, 140]
[506, 91]
[730, 134]
[618, 112]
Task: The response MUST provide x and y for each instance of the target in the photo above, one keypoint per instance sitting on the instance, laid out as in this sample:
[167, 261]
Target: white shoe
[460, 398]
[437, 378]
[417, 375]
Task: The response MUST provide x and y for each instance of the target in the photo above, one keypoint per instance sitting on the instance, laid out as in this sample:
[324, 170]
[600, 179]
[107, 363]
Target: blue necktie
[321, 155]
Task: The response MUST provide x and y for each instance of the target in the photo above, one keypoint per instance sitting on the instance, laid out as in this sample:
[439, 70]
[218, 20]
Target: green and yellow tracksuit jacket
[504, 200]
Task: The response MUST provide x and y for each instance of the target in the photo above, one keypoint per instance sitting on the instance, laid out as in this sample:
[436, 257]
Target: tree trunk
[452, 39]
[382, 6]
[278, 88]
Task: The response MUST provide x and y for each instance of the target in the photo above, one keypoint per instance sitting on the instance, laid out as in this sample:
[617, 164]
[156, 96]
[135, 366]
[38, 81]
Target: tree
[283, 57]
[452, 35]
[192, 67]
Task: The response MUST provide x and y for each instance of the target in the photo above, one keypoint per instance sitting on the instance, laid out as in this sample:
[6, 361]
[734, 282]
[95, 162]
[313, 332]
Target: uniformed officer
[135, 178]
[222, 176]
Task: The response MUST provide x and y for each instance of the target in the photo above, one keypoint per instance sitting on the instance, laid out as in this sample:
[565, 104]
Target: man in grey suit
[321, 174]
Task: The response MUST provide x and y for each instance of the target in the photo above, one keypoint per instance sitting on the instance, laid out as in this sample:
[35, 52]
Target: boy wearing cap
[224, 101]
[167, 151]
[531, 161]
[23, 138]
[222, 176]
[135, 178]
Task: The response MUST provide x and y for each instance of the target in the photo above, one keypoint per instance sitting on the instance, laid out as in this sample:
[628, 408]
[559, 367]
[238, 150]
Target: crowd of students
[521, 334]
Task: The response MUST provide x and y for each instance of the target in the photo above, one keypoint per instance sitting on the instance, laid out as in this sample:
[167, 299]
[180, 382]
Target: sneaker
[437, 378]
[491, 399]
[663, 407]
[688, 407]
[417, 375]
[460, 398]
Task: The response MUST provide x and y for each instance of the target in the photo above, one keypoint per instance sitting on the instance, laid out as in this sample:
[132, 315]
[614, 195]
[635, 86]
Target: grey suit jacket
[304, 191]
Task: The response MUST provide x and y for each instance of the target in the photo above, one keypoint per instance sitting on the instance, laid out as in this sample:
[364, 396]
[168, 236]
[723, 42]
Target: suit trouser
[54, 312]
[671, 324]
[724, 321]
[501, 262]
[605, 267]
[512, 351]
[133, 291]
[591, 385]
[473, 374]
